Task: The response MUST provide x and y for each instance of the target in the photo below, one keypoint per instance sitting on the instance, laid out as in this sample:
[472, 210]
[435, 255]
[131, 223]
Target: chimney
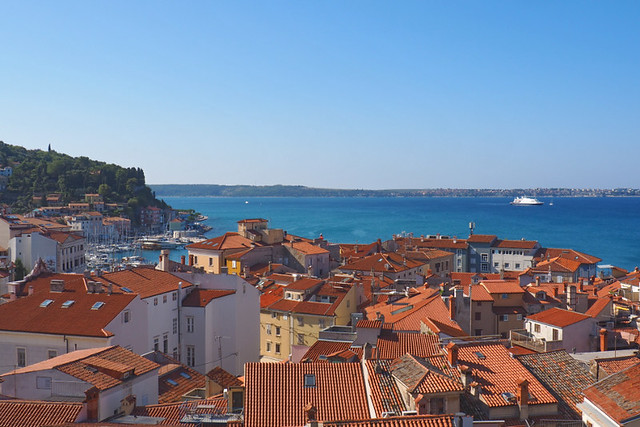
[555, 292]
[452, 353]
[270, 267]
[452, 307]
[603, 339]
[311, 415]
[466, 375]
[522, 397]
[30, 290]
[190, 260]
[537, 280]
[164, 260]
[310, 271]
[475, 388]
[379, 246]
[182, 259]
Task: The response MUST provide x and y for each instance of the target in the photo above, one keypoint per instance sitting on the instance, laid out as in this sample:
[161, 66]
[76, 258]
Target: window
[517, 266]
[195, 259]
[496, 264]
[504, 318]
[506, 265]
[191, 356]
[190, 324]
[174, 296]
[536, 327]
[43, 383]
[484, 267]
[126, 316]
[300, 339]
[277, 331]
[274, 315]
[234, 264]
[519, 316]
[321, 323]
[300, 321]
[309, 380]
[277, 348]
[165, 343]
[164, 299]
[268, 328]
[485, 257]
[156, 343]
[478, 332]
[478, 315]
[555, 335]
[268, 346]
[436, 405]
[51, 354]
[155, 301]
[211, 262]
[175, 325]
[21, 357]
[504, 296]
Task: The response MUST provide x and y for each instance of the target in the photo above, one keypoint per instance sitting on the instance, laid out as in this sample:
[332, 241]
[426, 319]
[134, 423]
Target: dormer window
[309, 380]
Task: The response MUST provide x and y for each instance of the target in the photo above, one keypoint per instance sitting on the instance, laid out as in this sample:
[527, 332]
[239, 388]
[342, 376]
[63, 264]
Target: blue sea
[605, 227]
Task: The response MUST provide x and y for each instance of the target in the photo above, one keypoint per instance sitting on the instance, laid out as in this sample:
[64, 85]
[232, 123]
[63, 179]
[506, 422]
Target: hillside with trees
[38, 173]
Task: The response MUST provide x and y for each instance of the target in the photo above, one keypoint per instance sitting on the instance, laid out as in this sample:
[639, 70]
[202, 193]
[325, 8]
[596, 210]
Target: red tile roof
[308, 248]
[174, 412]
[35, 413]
[147, 282]
[516, 244]
[481, 238]
[382, 263]
[599, 306]
[304, 284]
[392, 345]
[27, 315]
[385, 395]
[618, 395]
[617, 364]
[276, 395]
[202, 297]
[497, 372]
[325, 348]
[502, 287]
[401, 421]
[567, 253]
[223, 378]
[175, 380]
[558, 317]
[226, 241]
[465, 279]
[419, 376]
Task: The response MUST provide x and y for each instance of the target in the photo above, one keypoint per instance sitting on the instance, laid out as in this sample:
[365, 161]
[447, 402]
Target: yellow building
[292, 316]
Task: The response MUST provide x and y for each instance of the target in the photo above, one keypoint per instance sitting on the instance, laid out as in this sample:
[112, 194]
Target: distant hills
[39, 172]
[212, 190]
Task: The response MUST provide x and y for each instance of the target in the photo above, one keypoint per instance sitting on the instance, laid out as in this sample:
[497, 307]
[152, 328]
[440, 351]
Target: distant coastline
[212, 190]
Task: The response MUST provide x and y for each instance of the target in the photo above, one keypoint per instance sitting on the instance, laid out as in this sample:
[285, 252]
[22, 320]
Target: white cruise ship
[526, 201]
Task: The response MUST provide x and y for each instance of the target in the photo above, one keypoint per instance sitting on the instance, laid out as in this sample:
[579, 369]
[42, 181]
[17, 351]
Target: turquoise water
[604, 227]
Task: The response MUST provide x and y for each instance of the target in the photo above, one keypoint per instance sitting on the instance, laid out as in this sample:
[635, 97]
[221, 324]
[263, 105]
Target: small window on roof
[185, 375]
[309, 380]
[172, 382]
[68, 303]
[46, 303]
[479, 355]
[97, 306]
[127, 290]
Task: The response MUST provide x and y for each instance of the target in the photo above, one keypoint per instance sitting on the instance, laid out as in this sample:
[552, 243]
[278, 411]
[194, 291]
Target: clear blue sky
[341, 94]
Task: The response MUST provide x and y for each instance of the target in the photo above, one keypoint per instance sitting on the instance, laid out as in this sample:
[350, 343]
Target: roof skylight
[68, 303]
[46, 303]
[97, 306]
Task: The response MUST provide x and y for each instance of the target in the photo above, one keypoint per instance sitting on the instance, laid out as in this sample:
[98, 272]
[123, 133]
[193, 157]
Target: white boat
[526, 201]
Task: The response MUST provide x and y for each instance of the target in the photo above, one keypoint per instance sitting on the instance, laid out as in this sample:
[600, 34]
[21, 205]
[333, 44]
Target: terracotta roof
[391, 345]
[402, 421]
[567, 253]
[616, 364]
[146, 282]
[226, 241]
[599, 306]
[502, 287]
[497, 372]
[558, 317]
[385, 395]
[35, 413]
[107, 369]
[382, 263]
[516, 244]
[308, 248]
[609, 289]
[480, 293]
[481, 238]
[432, 243]
[202, 297]
[174, 412]
[252, 220]
[304, 284]
[405, 314]
[369, 324]
[223, 378]
[325, 348]
[618, 395]
[465, 279]
[419, 376]
[177, 380]
[558, 265]
[27, 315]
[553, 369]
[437, 327]
[276, 394]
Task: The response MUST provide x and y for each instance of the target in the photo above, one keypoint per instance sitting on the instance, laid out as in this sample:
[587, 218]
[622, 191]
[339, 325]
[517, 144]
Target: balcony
[524, 339]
